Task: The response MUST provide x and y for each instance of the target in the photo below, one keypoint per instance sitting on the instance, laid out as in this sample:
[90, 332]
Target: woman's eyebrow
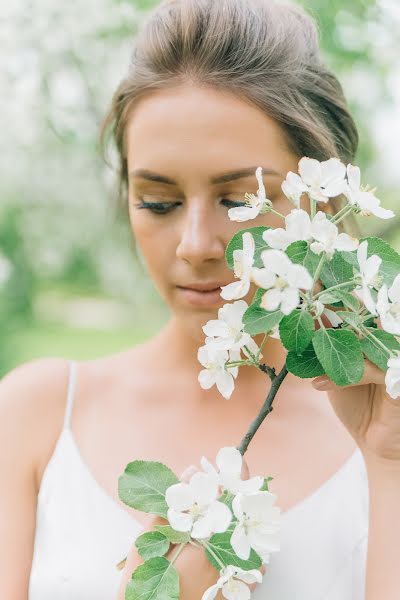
[222, 178]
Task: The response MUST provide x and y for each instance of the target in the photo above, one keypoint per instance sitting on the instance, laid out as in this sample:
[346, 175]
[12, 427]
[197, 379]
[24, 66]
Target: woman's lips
[200, 297]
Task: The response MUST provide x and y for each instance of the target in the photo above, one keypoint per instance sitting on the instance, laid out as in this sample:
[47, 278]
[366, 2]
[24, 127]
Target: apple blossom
[228, 330]
[369, 269]
[282, 279]
[214, 359]
[232, 583]
[392, 378]
[323, 180]
[193, 507]
[230, 462]
[327, 237]
[255, 204]
[243, 261]
[258, 524]
[298, 227]
[364, 199]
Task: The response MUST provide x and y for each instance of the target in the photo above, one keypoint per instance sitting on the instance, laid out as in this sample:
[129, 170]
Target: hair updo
[264, 51]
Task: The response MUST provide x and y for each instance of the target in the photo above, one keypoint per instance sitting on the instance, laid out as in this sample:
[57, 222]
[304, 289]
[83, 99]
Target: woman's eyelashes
[163, 208]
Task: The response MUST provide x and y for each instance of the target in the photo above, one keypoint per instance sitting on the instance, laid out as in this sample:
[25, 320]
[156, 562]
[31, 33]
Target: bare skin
[124, 402]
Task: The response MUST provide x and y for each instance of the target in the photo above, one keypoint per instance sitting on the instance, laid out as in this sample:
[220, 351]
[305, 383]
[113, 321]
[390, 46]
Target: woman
[214, 89]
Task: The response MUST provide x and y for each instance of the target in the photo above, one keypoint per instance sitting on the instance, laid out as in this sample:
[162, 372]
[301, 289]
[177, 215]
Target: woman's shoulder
[32, 404]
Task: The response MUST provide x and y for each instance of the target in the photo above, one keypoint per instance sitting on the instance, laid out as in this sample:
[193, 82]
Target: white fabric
[82, 533]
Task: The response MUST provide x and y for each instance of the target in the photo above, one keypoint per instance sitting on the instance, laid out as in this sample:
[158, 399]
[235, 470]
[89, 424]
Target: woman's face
[187, 150]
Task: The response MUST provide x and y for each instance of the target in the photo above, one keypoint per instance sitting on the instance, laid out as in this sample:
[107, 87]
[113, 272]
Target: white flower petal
[211, 593]
[298, 225]
[345, 243]
[240, 214]
[271, 300]
[179, 496]
[298, 276]
[278, 239]
[383, 213]
[392, 378]
[206, 379]
[263, 278]
[390, 323]
[219, 516]
[362, 253]
[225, 383]
[354, 177]
[394, 291]
[310, 170]
[204, 488]
[290, 300]
[235, 290]
[216, 328]
[229, 460]
[179, 521]
[236, 591]
[276, 261]
[201, 529]
[240, 542]
[250, 486]
[368, 300]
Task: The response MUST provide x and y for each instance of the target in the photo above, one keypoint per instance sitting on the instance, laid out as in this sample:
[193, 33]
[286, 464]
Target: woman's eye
[159, 208]
[163, 208]
[233, 203]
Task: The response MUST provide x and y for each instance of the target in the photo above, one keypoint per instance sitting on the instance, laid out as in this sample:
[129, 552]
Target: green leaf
[257, 320]
[156, 579]
[300, 253]
[143, 486]
[175, 537]
[296, 330]
[339, 352]
[336, 271]
[221, 546]
[151, 544]
[304, 365]
[236, 243]
[374, 352]
[297, 251]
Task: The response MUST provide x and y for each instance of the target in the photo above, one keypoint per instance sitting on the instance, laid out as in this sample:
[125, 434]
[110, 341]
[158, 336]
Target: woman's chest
[300, 453]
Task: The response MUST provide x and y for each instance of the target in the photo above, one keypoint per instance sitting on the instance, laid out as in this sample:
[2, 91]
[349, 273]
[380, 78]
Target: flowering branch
[233, 520]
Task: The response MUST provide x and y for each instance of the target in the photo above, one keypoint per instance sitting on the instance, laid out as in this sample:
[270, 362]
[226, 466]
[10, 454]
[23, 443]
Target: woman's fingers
[372, 374]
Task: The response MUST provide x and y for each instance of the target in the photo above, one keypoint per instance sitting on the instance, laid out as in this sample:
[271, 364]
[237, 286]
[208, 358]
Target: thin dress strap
[73, 370]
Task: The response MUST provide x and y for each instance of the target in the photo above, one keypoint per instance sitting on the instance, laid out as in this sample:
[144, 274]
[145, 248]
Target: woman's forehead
[203, 127]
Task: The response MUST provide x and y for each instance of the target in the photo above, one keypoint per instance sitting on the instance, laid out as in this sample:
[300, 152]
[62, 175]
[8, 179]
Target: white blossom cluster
[286, 283]
[197, 508]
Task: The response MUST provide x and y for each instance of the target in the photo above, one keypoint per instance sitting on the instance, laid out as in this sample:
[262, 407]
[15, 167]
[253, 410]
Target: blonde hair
[264, 51]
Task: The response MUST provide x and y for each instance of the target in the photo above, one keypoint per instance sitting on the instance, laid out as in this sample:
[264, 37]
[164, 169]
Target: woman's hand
[196, 574]
[370, 415]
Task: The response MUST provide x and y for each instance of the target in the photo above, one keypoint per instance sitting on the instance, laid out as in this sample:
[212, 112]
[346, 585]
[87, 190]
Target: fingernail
[322, 384]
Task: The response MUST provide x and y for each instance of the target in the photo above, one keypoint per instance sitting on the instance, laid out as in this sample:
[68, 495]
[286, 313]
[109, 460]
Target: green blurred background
[70, 283]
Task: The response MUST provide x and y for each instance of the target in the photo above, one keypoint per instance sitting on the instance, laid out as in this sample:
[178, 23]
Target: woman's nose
[200, 236]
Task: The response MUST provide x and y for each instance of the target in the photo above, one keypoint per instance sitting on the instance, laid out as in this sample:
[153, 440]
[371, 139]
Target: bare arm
[383, 561]
[26, 395]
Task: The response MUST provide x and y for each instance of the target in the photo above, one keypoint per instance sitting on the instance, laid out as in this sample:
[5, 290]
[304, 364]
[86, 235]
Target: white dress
[82, 533]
